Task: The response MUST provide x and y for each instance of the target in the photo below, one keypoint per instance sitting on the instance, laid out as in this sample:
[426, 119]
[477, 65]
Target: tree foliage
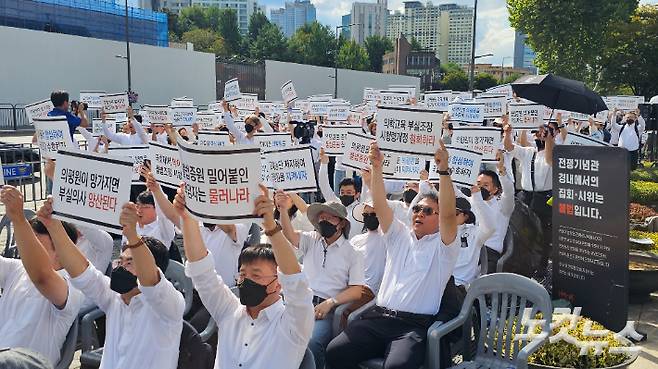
[353, 56]
[269, 44]
[415, 45]
[456, 80]
[510, 78]
[257, 23]
[484, 81]
[568, 35]
[204, 40]
[229, 31]
[313, 44]
[376, 46]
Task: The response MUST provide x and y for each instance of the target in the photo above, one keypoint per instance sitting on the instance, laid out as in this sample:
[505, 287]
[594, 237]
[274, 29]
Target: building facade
[370, 20]
[446, 29]
[418, 63]
[175, 6]
[243, 8]
[498, 71]
[293, 16]
[345, 21]
[87, 18]
[524, 56]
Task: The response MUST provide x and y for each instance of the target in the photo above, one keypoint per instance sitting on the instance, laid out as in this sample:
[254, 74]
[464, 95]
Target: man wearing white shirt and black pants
[629, 137]
[536, 164]
[257, 330]
[334, 268]
[144, 312]
[419, 264]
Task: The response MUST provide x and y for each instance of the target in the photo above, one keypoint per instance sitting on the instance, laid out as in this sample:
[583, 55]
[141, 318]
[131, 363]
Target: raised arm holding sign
[288, 92]
[232, 90]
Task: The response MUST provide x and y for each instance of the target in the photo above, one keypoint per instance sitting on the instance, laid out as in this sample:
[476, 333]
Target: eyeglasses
[425, 209]
[144, 206]
[369, 214]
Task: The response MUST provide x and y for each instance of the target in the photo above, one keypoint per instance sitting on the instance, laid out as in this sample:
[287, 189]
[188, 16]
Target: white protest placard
[296, 115]
[461, 96]
[406, 130]
[526, 116]
[334, 138]
[291, 169]
[495, 106]
[393, 98]
[182, 102]
[626, 102]
[485, 140]
[370, 94]
[318, 108]
[207, 119]
[438, 100]
[302, 105]
[266, 108]
[247, 102]
[221, 183]
[90, 189]
[411, 90]
[135, 153]
[115, 103]
[465, 165]
[466, 111]
[505, 89]
[574, 138]
[231, 90]
[216, 106]
[213, 139]
[52, 135]
[269, 141]
[402, 167]
[165, 164]
[181, 116]
[288, 92]
[157, 114]
[39, 109]
[92, 99]
[357, 150]
[338, 111]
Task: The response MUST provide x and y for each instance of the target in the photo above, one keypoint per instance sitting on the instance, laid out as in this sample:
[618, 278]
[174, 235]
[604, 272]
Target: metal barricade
[7, 117]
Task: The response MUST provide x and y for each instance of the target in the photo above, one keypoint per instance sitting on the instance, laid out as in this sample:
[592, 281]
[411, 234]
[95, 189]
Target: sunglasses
[369, 214]
[425, 209]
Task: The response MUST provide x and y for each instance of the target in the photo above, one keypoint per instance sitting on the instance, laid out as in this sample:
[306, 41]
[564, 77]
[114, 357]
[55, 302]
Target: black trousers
[536, 201]
[492, 260]
[401, 344]
[634, 158]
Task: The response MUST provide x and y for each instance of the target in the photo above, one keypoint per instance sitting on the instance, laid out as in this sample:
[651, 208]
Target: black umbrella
[559, 93]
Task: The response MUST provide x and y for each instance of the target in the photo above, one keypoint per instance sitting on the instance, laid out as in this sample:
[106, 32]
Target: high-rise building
[174, 6]
[524, 56]
[419, 63]
[370, 19]
[293, 16]
[346, 20]
[446, 29]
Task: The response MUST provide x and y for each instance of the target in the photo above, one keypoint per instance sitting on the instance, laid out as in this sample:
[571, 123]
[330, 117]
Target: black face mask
[409, 195]
[346, 200]
[327, 229]
[540, 144]
[252, 293]
[485, 194]
[630, 121]
[371, 222]
[320, 134]
[122, 281]
[248, 128]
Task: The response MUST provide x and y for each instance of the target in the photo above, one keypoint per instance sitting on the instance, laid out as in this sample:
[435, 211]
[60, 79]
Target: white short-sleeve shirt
[543, 171]
[225, 251]
[416, 271]
[331, 274]
[371, 246]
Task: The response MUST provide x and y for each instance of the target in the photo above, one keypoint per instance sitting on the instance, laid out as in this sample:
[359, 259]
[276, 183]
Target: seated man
[334, 268]
[419, 264]
[152, 222]
[38, 304]
[256, 330]
[144, 312]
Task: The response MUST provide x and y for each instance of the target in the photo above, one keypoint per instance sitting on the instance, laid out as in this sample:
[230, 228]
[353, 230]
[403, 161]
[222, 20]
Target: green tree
[510, 78]
[213, 17]
[377, 46]
[353, 56]
[192, 17]
[257, 22]
[630, 59]
[313, 44]
[484, 80]
[568, 36]
[415, 45]
[270, 44]
[455, 80]
[451, 67]
[204, 40]
[229, 31]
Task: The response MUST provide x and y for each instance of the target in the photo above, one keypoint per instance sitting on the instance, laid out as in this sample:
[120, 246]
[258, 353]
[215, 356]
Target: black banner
[590, 231]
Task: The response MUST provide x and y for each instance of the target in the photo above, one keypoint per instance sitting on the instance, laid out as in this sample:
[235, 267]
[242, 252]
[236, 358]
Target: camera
[303, 131]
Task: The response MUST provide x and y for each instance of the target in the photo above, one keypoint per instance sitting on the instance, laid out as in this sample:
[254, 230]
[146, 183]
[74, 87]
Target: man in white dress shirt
[256, 330]
[630, 132]
[144, 312]
[251, 125]
[419, 263]
[38, 303]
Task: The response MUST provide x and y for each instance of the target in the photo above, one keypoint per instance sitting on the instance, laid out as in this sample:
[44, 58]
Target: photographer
[60, 100]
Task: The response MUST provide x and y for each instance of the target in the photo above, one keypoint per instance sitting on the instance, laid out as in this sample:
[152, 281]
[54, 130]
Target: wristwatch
[274, 231]
[136, 244]
[447, 172]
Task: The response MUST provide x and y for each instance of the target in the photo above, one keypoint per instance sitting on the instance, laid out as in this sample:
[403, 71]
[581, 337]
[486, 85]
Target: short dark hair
[146, 198]
[252, 119]
[494, 178]
[58, 98]
[261, 251]
[429, 195]
[159, 251]
[348, 181]
[39, 228]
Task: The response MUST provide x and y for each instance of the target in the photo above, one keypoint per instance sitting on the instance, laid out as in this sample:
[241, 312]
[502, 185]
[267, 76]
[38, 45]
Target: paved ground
[645, 314]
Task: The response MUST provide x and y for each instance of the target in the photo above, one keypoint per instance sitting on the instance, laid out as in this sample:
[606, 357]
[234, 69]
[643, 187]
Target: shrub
[565, 355]
[645, 174]
[639, 213]
[653, 236]
[644, 192]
